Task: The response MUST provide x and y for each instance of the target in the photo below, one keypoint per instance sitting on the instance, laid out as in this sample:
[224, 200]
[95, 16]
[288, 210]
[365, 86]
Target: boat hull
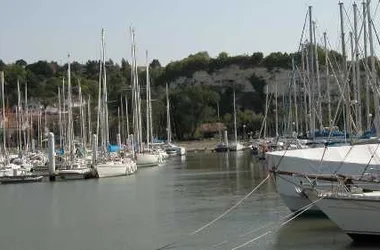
[291, 167]
[20, 179]
[358, 218]
[113, 169]
[147, 160]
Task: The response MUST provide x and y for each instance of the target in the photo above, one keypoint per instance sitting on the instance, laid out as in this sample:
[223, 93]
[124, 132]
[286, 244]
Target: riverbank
[205, 145]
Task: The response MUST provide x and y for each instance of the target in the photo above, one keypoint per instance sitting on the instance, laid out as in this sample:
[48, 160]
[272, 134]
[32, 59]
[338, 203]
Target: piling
[118, 139]
[51, 156]
[226, 138]
[33, 145]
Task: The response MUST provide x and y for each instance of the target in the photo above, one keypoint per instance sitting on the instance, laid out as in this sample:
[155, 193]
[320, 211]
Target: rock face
[233, 74]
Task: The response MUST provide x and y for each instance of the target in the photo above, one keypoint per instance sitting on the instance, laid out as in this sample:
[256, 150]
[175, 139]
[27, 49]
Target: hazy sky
[169, 29]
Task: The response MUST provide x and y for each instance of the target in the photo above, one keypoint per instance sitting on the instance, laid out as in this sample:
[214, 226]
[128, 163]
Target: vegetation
[190, 105]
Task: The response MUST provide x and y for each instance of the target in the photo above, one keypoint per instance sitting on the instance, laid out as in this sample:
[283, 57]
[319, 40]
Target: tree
[41, 68]
[21, 63]
[222, 56]
[155, 64]
[2, 65]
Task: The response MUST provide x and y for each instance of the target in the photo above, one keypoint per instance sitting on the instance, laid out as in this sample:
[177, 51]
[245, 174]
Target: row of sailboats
[75, 161]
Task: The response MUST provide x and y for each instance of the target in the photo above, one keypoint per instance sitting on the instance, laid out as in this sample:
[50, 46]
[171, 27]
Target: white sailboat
[108, 164]
[236, 145]
[171, 149]
[143, 158]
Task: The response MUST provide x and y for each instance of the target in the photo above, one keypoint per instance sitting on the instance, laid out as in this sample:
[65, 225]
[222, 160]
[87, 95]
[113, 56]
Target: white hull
[236, 147]
[308, 161]
[147, 160]
[358, 215]
[114, 169]
[74, 174]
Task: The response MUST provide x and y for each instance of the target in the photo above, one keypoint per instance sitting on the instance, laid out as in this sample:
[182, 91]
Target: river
[159, 207]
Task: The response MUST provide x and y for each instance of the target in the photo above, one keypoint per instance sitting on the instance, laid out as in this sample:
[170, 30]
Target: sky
[169, 29]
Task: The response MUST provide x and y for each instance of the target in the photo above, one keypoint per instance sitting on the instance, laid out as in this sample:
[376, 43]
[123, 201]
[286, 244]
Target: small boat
[20, 179]
[221, 147]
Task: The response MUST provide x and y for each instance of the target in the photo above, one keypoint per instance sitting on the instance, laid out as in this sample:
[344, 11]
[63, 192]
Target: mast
[3, 113]
[357, 69]
[59, 117]
[295, 94]
[168, 129]
[89, 121]
[311, 74]
[367, 85]
[18, 115]
[25, 122]
[320, 118]
[373, 69]
[147, 100]
[353, 72]
[327, 81]
[235, 130]
[126, 115]
[266, 111]
[276, 108]
[69, 103]
[344, 75]
[304, 87]
[100, 108]
[105, 95]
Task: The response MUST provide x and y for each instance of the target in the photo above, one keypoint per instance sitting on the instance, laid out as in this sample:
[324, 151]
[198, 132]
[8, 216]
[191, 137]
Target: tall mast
[295, 94]
[60, 117]
[357, 69]
[373, 69]
[344, 68]
[353, 72]
[25, 118]
[367, 85]
[327, 81]
[126, 115]
[168, 129]
[105, 94]
[320, 118]
[69, 102]
[18, 114]
[89, 121]
[311, 73]
[3, 113]
[100, 108]
[276, 107]
[147, 100]
[304, 87]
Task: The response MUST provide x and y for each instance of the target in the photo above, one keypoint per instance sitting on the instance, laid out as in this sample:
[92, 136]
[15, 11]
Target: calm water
[158, 206]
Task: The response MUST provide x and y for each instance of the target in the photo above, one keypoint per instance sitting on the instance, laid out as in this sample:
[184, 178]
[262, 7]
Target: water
[158, 206]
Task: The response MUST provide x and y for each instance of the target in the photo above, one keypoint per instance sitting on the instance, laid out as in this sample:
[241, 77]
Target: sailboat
[171, 149]
[109, 164]
[144, 158]
[235, 146]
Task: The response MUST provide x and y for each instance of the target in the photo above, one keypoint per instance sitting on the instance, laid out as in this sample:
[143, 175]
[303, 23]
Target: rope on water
[278, 227]
[220, 216]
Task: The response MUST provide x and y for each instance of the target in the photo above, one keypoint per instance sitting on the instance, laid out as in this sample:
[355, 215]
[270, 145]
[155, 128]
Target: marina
[221, 151]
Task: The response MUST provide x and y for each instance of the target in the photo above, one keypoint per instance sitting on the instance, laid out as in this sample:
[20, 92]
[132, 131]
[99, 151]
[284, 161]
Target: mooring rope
[307, 207]
[219, 217]
[300, 210]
